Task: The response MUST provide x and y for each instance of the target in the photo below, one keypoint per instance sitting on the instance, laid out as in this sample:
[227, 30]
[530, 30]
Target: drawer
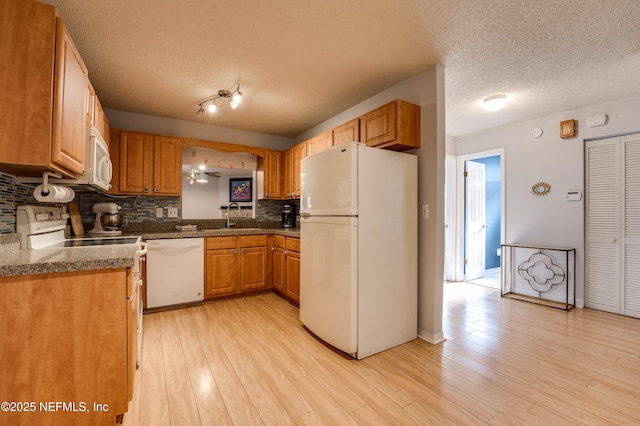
[277, 241]
[253, 241]
[293, 244]
[220, 243]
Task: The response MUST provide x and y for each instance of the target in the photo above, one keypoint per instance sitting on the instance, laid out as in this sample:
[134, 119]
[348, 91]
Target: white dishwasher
[175, 271]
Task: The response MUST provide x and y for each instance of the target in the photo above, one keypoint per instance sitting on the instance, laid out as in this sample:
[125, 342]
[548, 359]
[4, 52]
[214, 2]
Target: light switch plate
[172, 212]
[425, 211]
[158, 211]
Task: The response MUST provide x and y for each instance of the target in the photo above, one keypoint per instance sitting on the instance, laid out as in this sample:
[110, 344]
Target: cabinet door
[27, 31]
[273, 174]
[132, 333]
[292, 267]
[167, 165]
[221, 271]
[253, 268]
[318, 143]
[134, 162]
[278, 269]
[70, 132]
[292, 159]
[347, 132]
[379, 126]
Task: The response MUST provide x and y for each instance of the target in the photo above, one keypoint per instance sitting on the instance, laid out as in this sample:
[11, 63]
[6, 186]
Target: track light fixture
[233, 97]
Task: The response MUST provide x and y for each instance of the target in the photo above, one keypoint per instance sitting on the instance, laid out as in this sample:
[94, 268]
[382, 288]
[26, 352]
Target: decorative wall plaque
[567, 129]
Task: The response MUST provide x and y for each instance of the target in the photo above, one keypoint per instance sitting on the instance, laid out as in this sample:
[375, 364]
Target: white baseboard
[434, 339]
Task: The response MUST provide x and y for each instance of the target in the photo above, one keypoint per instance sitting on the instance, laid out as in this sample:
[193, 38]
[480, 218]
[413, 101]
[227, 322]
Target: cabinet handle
[272, 248]
[146, 190]
[235, 251]
[285, 253]
[156, 190]
[268, 195]
[244, 250]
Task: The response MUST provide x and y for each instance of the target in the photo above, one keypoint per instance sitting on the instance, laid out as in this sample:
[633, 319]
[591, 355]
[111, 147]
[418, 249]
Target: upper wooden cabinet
[292, 159]
[347, 132]
[272, 163]
[394, 126]
[319, 142]
[95, 113]
[69, 99]
[42, 93]
[146, 164]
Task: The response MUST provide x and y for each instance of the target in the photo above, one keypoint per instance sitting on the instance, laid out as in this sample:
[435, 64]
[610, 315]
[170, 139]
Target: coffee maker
[288, 216]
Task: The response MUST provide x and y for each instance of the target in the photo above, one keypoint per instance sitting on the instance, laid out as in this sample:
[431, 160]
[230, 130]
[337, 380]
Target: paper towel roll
[56, 194]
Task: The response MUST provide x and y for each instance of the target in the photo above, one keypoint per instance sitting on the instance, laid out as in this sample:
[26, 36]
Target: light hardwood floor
[248, 361]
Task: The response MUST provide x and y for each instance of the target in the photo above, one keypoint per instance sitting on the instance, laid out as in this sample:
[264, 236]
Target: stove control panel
[35, 220]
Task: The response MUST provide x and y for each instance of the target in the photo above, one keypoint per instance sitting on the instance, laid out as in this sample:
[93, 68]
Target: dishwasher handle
[174, 245]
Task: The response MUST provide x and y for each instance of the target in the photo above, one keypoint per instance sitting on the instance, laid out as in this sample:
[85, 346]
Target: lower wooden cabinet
[67, 337]
[285, 266]
[235, 265]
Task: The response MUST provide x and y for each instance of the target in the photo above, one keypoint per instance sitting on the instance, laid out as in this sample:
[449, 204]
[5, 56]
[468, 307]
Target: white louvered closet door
[631, 285]
[613, 225]
[603, 208]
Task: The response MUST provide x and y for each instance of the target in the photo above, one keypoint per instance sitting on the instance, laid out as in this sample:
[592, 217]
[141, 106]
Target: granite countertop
[220, 232]
[29, 262]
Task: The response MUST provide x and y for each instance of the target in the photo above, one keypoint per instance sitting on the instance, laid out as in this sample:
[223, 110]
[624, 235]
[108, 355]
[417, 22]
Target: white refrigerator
[359, 247]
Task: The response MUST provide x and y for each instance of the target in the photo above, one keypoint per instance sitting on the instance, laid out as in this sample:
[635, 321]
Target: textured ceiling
[300, 62]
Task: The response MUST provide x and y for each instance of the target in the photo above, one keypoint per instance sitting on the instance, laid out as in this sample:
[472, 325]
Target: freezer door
[329, 280]
[328, 182]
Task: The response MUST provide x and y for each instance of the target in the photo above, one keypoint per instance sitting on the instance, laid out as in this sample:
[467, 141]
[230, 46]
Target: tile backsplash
[137, 209]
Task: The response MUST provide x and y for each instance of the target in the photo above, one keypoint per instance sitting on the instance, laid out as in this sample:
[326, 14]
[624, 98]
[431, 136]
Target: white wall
[201, 200]
[550, 220]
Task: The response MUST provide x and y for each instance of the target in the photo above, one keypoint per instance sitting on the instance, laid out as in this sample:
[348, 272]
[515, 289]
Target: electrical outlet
[172, 212]
[425, 211]
[158, 211]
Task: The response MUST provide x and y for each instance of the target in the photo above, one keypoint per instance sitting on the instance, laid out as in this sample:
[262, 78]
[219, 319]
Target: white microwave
[98, 169]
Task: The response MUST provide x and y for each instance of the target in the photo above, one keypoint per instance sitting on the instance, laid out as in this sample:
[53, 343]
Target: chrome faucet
[229, 223]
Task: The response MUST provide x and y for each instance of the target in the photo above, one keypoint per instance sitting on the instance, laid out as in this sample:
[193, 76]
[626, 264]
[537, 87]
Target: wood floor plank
[269, 369]
[209, 401]
[237, 401]
[224, 334]
[183, 409]
[504, 362]
[331, 383]
[327, 407]
[176, 373]
[310, 419]
[437, 414]
[270, 409]
[154, 404]
[366, 416]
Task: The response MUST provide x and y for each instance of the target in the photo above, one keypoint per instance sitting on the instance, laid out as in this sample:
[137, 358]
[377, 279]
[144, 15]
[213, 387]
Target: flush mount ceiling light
[233, 97]
[494, 103]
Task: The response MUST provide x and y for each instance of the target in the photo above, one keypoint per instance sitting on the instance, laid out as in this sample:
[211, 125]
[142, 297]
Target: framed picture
[240, 189]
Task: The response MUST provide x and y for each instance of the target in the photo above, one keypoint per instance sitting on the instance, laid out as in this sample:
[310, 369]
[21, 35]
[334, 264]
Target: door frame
[460, 197]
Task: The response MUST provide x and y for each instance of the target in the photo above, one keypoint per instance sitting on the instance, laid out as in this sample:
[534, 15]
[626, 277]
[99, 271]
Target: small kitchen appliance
[108, 219]
[288, 216]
